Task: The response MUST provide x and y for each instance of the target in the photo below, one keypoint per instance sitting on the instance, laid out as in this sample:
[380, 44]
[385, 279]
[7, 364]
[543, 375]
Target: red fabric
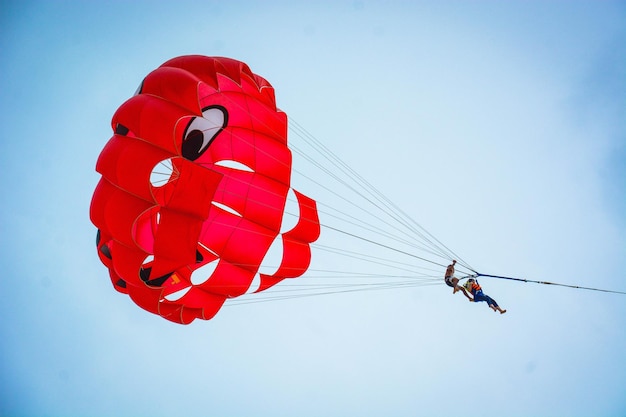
[296, 251]
[154, 235]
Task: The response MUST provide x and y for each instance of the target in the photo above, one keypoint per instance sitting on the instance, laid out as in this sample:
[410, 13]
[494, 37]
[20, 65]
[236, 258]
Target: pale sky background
[498, 126]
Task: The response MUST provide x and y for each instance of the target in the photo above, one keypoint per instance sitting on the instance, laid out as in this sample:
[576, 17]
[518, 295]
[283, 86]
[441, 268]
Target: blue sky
[498, 126]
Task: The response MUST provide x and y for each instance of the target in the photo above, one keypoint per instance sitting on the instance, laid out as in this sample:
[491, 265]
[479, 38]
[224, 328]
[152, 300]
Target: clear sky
[498, 126]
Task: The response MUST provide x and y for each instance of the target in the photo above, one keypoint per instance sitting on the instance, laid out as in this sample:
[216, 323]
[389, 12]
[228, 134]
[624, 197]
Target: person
[453, 282]
[474, 287]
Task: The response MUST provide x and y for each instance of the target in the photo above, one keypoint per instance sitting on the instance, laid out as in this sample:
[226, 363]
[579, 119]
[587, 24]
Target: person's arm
[450, 269]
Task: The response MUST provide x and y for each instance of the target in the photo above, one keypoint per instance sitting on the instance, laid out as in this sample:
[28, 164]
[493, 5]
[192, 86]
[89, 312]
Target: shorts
[448, 281]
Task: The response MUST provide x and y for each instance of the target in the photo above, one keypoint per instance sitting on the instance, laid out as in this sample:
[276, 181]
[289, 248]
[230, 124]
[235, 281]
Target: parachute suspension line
[366, 226]
[549, 283]
[387, 207]
[387, 247]
[391, 263]
[265, 297]
[339, 274]
[327, 154]
[424, 241]
[417, 245]
[334, 160]
[376, 260]
[391, 209]
[372, 228]
[361, 223]
[371, 202]
[364, 257]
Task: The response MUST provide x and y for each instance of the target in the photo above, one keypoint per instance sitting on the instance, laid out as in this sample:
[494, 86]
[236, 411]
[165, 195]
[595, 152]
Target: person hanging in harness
[473, 286]
[453, 282]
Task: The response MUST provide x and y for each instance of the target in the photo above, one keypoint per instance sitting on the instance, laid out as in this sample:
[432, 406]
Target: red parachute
[193, 191]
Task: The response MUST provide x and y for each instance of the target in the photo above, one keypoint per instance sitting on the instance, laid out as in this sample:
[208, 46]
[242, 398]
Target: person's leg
[455, 283]
[494, 305]
[480, 296]
[464, 292]
[498, 308]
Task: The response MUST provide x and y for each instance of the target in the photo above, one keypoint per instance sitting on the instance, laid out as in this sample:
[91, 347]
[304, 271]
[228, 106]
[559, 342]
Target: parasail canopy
[193, 191]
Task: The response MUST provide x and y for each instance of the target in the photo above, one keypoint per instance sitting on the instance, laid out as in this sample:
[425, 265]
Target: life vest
[472, 286]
